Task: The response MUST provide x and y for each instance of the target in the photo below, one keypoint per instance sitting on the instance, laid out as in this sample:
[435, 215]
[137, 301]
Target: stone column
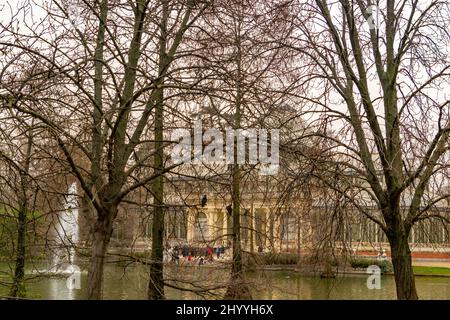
[224, 226]
[190, 225]
[219, 226]
[277, 231]
[267, 228]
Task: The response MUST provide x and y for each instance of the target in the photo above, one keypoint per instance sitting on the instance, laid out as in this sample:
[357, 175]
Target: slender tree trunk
[156, 282]
[101, 237]
[18, 287]
[403, 272]
[237, 289]
[237, 250]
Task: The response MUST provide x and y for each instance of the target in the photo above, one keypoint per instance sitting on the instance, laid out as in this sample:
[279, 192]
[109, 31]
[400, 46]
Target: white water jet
[66, 236]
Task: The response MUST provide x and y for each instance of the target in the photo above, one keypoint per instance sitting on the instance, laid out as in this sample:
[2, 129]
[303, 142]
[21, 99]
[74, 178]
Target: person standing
[209, 253]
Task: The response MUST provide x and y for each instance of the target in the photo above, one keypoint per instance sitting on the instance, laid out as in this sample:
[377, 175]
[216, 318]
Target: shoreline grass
[423, 270]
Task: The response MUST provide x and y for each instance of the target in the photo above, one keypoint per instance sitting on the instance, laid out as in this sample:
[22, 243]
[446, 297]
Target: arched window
[201, 227]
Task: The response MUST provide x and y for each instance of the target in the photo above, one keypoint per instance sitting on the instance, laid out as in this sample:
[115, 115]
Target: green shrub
[385, 265]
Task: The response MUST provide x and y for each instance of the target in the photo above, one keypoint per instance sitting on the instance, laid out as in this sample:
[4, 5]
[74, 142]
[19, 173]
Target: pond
[131, 283]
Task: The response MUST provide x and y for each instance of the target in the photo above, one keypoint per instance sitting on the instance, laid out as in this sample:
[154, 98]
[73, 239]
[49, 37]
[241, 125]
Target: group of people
[195, 254]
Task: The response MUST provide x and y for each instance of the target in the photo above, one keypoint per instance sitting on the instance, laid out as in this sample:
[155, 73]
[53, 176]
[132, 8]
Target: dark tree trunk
[237, 289]
[101, 237]
[397, 234]
[403, 272]
[18, 286]
[156, 282]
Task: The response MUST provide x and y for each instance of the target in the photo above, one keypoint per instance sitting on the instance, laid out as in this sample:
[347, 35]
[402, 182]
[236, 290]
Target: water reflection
[131, 283]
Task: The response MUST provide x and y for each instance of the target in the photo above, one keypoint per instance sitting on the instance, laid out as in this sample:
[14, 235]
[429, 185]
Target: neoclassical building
[277, 213]
[269, 220]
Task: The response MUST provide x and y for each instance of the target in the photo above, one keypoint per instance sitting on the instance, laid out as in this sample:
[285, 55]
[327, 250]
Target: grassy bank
[431, 270]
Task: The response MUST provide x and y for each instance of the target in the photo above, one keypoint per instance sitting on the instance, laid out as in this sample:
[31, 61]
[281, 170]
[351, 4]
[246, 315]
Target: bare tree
[29, 196]
[109, 87]
[18, 203]
[241, 65]
[378, 86]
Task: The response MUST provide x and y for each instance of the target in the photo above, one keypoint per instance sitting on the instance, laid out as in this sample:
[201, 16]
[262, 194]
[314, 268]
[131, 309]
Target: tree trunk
[156, 281]
[237, 289]
[101, 237]
[18, 287]
[403, 272]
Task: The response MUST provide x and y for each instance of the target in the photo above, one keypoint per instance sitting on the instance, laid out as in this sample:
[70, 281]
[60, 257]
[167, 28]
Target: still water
[131, 283]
